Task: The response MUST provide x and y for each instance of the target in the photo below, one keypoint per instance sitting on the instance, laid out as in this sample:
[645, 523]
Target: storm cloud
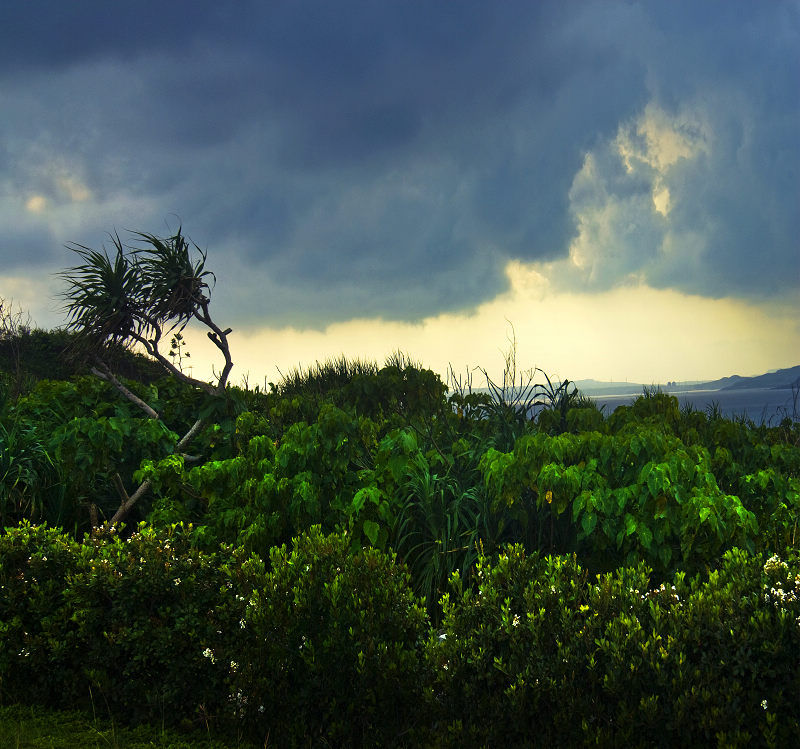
[362, 160]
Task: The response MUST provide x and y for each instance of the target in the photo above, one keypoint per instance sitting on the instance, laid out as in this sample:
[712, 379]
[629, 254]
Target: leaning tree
[146, 290]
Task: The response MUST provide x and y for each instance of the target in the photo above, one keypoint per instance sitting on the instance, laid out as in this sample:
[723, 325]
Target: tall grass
[334, 373]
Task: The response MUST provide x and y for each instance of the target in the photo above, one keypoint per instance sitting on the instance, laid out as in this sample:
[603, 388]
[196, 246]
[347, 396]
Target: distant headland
[780, 379]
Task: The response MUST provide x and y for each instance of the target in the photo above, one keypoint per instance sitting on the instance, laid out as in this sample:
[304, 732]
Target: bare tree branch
[151, 346]
[127, 501]
[108, 375]
[189, 436]
[219, 338]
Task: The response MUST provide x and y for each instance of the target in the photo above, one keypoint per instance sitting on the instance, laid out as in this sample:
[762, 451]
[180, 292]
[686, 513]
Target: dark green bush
[509, 664]
[35, 563]
[540, 655]
[30, 481]
[330, 653]
[327, 646]
[143, 612]
[123, 623]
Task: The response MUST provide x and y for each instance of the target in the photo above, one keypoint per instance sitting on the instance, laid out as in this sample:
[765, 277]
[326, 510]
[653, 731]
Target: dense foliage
[570, 660]
[358, 556]
[326, 646]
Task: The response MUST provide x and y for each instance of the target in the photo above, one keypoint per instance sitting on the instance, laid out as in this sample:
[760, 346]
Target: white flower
[764, 704]
[774, 563]
[515, 621]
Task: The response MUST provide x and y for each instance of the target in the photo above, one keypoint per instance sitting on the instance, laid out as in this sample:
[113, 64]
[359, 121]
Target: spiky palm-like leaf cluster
[105, 295]
[173, 282]
[139, 292]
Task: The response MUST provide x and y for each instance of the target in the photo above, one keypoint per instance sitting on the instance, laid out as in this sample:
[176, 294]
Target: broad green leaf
[371, 531]
[588, 522]
[645, 536]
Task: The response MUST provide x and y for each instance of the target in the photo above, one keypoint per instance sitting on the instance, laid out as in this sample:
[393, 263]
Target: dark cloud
[387, 159]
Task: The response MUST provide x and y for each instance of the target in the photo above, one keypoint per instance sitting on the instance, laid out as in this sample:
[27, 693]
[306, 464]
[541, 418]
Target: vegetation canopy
[360, 555]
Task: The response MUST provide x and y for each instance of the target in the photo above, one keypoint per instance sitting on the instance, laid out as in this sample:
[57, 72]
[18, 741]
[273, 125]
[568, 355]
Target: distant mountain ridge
[781, 379]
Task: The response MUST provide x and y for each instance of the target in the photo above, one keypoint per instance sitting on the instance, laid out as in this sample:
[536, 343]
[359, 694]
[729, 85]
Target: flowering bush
[324, 645]
[541, 655]
[143, 609]
[35, 562]
[121, 622]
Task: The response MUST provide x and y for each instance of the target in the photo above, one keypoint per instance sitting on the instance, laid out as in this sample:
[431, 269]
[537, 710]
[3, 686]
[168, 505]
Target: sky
[614, 185]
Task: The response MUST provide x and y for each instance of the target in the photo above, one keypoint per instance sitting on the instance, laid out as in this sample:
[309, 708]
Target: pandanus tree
[145, 291]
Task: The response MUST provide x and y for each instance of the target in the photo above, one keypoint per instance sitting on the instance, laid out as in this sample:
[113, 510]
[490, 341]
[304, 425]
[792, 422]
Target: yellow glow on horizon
[26, 293]
[634, 332]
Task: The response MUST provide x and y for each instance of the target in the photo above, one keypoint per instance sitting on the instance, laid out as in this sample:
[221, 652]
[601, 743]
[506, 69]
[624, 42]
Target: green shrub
[325, 646]
[509, 664]
[331, 647]
[270, 491]
[30, 482]
[540, 655]
[35, 563]
[328, 646]
[640, 494]
[144, 610]
[123, 623]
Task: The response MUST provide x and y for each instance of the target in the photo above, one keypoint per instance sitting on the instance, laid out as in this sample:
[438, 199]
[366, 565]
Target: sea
[759, 405]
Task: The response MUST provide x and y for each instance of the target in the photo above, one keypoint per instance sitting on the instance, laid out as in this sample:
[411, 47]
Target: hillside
[778, 380]
[783, 379]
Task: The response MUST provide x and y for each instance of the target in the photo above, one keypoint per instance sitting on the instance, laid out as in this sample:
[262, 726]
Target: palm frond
[104, 295]
[174, 282]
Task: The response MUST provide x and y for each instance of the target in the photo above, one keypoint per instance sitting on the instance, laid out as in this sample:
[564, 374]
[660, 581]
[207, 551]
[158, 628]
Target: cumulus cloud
[391, 159]
[682, 200]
